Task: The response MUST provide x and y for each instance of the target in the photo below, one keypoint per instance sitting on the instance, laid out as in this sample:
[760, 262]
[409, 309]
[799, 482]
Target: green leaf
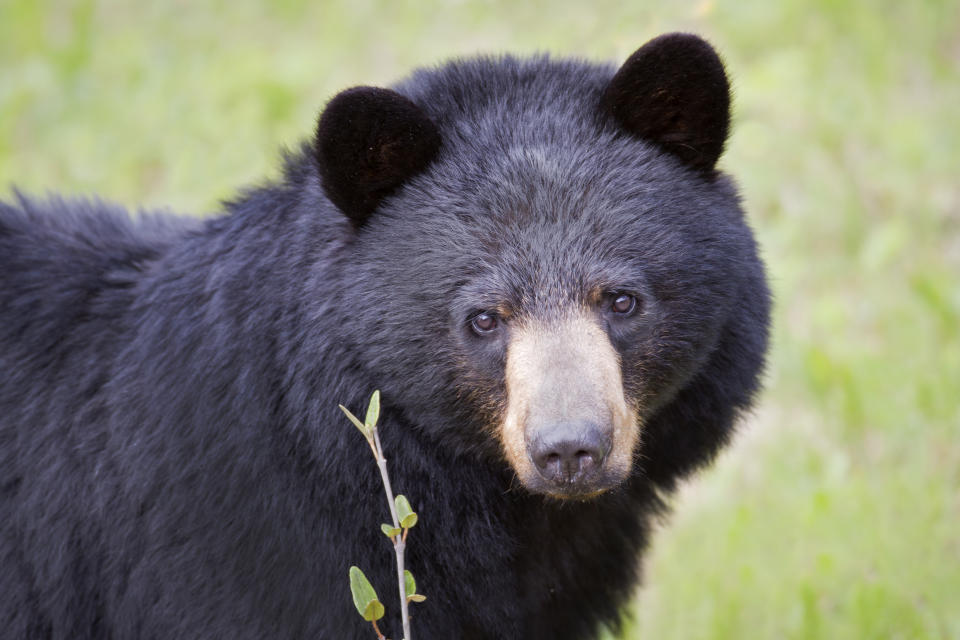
[367, 433]
[374, 611]
[364, 597]
[389, 530]
[406, 515]
[409, 584]
[373, 411]
[410, 587]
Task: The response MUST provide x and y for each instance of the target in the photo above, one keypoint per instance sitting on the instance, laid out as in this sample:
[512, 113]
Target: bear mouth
[581, 490]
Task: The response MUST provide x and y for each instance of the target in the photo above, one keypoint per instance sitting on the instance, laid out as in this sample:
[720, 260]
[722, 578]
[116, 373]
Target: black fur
[172, 461]
[673, 91]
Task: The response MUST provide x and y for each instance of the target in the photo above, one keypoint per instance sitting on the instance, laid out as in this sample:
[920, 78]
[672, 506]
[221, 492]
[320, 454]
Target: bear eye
[483, 323]
[623, 303]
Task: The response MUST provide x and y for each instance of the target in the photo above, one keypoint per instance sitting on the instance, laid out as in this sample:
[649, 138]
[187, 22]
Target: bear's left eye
[483, 323]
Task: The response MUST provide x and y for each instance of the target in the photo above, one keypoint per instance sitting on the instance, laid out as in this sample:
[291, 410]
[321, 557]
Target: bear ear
[369, 141]
[674, 92]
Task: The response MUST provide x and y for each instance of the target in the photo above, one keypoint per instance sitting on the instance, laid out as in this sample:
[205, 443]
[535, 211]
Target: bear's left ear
[673, 91]
[369, 142]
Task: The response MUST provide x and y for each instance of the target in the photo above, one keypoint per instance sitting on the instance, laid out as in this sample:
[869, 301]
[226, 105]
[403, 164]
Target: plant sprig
[404, 518]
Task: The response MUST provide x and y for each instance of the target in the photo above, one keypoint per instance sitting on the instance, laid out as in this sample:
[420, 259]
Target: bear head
[540, 254]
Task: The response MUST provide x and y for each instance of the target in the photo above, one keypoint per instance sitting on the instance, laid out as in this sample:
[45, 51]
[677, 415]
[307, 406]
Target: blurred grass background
[837, 512]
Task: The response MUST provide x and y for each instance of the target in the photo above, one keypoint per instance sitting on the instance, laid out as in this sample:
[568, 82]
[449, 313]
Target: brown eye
[484, 322]
[623, 304]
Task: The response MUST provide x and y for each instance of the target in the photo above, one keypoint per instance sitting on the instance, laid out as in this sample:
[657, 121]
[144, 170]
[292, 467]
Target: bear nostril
[549, 465]
[586, 460]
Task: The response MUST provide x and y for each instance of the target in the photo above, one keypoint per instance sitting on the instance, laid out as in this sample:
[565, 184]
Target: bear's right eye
[483, 323]
[624, 304]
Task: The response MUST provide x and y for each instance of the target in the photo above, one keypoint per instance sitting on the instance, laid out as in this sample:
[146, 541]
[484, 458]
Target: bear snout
[568, 430]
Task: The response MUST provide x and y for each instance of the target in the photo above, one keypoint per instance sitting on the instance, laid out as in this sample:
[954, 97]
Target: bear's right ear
[370, 141]
[674, 92]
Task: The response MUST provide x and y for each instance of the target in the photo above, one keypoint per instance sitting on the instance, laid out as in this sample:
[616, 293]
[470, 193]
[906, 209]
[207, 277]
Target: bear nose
[570, 453]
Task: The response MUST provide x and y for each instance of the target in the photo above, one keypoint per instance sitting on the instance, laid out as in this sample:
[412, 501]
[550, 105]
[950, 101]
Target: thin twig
[399, 542]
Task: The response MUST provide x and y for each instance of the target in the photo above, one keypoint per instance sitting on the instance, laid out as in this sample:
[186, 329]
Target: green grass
[837, 514]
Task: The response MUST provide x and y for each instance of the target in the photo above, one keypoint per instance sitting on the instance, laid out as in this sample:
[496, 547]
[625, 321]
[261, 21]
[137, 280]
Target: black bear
[535, 260]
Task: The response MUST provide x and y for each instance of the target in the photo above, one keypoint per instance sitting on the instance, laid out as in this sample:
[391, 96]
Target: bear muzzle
[568, 431]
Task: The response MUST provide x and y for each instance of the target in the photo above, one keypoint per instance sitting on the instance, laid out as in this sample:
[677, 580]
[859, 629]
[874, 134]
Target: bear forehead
[543, 201]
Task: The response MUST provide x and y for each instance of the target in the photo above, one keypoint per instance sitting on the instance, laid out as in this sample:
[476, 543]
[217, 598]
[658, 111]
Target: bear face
[576, 255]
